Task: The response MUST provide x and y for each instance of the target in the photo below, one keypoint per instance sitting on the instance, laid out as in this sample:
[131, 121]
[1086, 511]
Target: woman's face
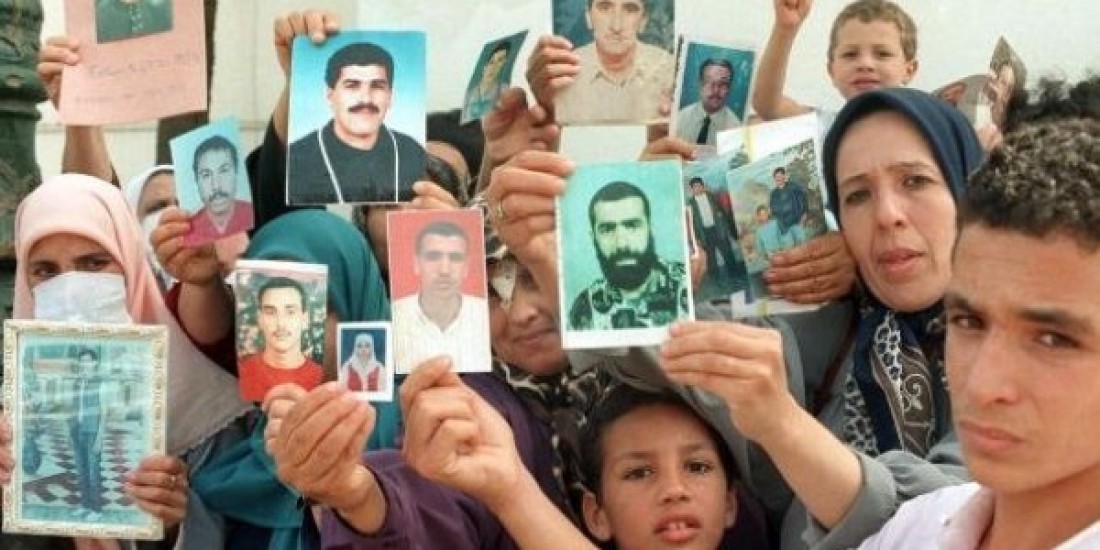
[524, 332]
[896, 211]
[64, 252]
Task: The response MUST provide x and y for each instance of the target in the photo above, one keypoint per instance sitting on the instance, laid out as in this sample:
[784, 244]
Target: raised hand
[819, 270]
[316, 439]
[790, 14]
[57, 53]
[551, 67]
[318, 25]
[454, 437]
[515, 126]
[742, 364]
[192, 265]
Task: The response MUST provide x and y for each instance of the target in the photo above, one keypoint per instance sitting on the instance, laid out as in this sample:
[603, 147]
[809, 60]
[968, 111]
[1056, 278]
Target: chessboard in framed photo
[87, 404]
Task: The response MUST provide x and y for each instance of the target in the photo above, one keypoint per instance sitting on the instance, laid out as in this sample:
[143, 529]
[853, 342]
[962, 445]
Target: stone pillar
[20, 92]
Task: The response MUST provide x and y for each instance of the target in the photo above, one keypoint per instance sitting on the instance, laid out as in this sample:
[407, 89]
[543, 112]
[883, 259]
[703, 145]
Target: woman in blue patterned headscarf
[849, 403]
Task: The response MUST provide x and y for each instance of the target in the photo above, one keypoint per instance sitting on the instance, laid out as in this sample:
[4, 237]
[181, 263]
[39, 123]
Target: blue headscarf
[891, 345]
[240, 482]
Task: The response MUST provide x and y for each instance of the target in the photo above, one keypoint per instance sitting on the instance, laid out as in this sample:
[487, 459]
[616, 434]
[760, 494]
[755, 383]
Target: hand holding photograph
[87, 404]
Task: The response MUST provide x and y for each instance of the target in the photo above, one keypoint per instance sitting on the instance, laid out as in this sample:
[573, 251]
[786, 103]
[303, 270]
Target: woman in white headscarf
[362, 371]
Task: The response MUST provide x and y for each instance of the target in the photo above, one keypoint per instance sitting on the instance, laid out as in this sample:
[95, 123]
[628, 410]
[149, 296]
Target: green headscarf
[241, 483]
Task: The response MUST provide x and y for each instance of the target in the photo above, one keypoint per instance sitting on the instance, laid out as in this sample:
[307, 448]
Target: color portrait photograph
[86, 404]
[778, 205]
[438, 288]
[627, 63]
[124, 19]
[492, 75]
[366, 359]
[357, 118]
[212, 181]
[712, 92]
[281, 312]
[707, 199]
[624, 271]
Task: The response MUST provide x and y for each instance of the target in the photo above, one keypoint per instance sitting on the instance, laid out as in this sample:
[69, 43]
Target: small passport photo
[366, 365]
[623, 277]
[281, 308]
[87, 404]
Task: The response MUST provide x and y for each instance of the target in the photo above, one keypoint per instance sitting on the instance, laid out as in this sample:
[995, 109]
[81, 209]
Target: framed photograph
[281, 309]
[1007, 78]
[212, 181]
[87, 404]
[438, 289]
[357, 118]
[712, 91]
[623, 277]
[365, 351]
[491, 77]
[642, 31]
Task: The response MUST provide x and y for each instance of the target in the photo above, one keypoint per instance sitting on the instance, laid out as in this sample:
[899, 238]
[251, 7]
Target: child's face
[663, 490]
[868, 56]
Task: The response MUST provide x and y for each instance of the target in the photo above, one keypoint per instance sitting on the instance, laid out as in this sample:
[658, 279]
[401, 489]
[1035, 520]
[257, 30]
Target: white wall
[956, 38]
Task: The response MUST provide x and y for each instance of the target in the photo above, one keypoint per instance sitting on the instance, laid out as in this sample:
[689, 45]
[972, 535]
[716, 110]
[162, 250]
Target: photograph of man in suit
[714, 231]
[701, 121]
[355, 157]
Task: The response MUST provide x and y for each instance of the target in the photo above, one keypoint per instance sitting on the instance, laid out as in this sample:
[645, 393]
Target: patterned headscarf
[896, 393]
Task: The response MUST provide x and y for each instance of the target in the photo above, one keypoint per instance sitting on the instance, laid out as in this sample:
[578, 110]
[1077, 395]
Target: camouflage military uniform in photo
[664, 299]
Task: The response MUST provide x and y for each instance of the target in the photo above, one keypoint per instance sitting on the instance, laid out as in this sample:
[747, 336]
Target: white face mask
[79, 296]
[148, 224]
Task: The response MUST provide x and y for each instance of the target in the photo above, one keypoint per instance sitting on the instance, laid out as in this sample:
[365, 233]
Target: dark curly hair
[1055, 99]
[1044, 179]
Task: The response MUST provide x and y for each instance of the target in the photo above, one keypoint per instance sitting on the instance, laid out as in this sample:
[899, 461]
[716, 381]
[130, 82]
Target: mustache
[618, 256]
[218, 195]
[369, 107]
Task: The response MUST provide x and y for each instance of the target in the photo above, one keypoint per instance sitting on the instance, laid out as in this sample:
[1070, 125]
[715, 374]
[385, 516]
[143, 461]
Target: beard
[632, 275]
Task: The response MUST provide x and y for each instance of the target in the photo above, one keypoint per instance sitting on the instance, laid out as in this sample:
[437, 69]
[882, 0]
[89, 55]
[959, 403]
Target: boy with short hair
[674, 486]
[872, 44]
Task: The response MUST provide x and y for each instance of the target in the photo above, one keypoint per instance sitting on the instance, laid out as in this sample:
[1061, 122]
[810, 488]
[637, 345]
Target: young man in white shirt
[1023, 353]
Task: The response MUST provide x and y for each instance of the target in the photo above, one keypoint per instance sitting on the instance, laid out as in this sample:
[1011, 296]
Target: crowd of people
[940, 397]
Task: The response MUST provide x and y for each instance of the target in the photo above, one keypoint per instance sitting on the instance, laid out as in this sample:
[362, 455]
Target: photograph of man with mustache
[638, 288]
[355, 157]
[216, 171]
[439, 318]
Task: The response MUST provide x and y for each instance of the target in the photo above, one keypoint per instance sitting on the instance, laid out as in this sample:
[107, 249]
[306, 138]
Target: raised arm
[768, 98]
[468, 446]
[521, 207]
[318, 25]
[85, 150]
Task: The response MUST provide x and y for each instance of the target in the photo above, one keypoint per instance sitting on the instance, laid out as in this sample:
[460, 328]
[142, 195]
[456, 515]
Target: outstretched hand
[192, 265]
[456, 438]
